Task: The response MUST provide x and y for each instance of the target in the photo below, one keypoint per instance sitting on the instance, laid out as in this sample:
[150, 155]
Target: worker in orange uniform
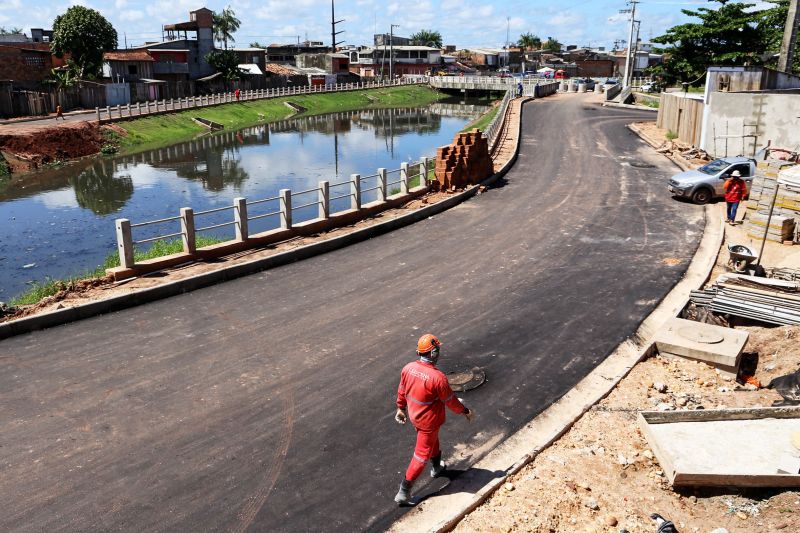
[735, 191]
[425, 391]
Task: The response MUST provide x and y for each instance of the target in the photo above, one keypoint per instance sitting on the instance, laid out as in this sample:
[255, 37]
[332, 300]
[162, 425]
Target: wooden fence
[681, 115]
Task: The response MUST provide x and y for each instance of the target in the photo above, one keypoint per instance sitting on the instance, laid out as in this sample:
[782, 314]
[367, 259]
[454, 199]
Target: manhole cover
[641, 164]
[464, 380]
[696, 335]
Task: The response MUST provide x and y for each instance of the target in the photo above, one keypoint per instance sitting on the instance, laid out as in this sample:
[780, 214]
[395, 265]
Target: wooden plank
[713, 415]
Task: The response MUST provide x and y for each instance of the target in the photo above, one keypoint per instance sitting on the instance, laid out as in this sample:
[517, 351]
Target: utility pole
[635, 51]
[508, 57]
[334, 33]
[391, 50]
[786, 57]
[630, 42]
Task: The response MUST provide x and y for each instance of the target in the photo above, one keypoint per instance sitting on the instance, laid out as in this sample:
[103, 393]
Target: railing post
[423, 172]
[403, 178]
[125, 242]
[355, 191]
[97, 110]
[119, 111]
[108, 112]
[129, 109]
[240, 216]
[286, 208]
[187, 228]
[324, 196]
[382, 184]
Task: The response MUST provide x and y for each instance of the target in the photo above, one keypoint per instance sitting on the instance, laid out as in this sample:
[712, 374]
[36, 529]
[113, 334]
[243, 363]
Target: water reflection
[61, 220]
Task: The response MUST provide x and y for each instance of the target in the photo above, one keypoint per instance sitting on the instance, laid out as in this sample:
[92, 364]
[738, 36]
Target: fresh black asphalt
[266, 403]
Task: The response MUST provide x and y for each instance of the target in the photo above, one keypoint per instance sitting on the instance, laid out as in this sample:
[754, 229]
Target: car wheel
[701, 196]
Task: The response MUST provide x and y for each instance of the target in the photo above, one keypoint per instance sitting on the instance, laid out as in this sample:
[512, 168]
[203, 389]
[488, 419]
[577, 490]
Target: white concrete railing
[141, 109]
[284, 204]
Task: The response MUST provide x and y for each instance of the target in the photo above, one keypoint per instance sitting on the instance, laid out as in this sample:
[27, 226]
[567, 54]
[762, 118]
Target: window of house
[133, 70]
[34, 61]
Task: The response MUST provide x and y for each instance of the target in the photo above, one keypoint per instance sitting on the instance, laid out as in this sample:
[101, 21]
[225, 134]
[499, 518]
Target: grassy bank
[482, 122]
[51, 286]
[152, 132]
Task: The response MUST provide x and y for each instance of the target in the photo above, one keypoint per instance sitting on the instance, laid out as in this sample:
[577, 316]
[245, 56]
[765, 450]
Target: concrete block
[717, 346]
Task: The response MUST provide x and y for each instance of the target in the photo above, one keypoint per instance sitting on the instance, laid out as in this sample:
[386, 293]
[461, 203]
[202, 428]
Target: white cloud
[119, 4]
[131, 15]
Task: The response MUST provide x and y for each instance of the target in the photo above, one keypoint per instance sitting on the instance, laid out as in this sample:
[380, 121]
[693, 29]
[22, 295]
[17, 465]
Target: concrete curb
[630, 106]
[684, 165]
[465, 494]
[150, 294]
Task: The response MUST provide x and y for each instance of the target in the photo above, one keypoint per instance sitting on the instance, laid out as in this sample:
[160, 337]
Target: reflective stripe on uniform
[417, 401]
[418, 458]
[449, 398]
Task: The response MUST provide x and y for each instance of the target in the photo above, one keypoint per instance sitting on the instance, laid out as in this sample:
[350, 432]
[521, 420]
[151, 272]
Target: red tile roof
[125, 55]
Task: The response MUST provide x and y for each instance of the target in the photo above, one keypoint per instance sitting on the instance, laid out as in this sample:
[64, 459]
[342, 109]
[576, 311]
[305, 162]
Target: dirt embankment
[28, 148]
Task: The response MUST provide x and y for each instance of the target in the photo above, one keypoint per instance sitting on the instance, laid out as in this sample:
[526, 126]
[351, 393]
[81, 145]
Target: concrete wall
[732, 117]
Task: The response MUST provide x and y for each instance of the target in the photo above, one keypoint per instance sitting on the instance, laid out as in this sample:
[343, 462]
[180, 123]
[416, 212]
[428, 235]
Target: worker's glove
[400, 417]
[469, 414]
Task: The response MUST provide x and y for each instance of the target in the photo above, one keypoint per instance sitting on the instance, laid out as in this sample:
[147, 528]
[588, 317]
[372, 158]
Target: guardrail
[142, 109]
[374, 191]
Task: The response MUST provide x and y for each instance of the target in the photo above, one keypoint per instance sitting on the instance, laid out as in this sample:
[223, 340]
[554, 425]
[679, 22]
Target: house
[21, 63]
[330, 63]
[252, 60]
[286, 53]
[128, 65]
[408, 59]
[181, 56]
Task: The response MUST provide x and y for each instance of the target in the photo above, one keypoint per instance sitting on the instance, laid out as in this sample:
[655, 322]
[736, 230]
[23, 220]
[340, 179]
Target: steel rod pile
[768, 304]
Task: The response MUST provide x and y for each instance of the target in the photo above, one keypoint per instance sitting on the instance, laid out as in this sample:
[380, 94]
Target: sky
[464, 23]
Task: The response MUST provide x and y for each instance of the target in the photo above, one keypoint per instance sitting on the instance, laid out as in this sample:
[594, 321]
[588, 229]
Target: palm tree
[552, 45]
[225, 25]
[529, 41]
[428, 38]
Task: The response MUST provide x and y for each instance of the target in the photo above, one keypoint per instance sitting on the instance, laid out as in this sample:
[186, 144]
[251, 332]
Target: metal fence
[288, 207]
[139, 109]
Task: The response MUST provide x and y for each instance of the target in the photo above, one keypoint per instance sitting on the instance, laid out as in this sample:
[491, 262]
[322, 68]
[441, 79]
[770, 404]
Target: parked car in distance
[590, 83]
[703, 184]
[610, 82]
[649, 87]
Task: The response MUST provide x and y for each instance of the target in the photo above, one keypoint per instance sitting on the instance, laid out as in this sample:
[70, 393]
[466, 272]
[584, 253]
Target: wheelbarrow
[740, 257]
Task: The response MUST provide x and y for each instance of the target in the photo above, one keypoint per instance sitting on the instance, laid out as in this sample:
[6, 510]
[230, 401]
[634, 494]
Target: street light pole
[391, 50]
[630, 44]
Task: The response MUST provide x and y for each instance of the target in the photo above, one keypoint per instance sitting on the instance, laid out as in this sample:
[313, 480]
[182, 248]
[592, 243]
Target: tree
[529, 41]
[226, 63]
[733, 34]
[225, 25]
[256, 44]
[552, 45]
[428, 38]
[84, 34]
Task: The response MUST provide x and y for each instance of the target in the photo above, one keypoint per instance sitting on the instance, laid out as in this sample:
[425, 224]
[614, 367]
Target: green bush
[671, 135]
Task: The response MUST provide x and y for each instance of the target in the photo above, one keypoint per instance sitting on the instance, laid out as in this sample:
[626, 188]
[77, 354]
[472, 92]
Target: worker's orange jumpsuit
[424, 389]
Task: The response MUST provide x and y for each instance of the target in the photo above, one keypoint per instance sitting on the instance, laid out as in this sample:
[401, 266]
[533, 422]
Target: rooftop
[128, 55]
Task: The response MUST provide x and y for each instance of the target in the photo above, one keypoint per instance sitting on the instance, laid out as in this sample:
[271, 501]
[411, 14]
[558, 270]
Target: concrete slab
[719, 347]
[726, 447]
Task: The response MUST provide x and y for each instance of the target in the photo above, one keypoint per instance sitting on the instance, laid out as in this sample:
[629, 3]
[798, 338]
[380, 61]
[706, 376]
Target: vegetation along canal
[59, 222]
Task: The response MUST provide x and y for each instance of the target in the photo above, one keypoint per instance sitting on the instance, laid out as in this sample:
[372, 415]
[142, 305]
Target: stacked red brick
[463, 163]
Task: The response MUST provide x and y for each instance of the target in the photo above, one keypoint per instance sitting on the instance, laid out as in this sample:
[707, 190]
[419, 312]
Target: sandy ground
[601, 475]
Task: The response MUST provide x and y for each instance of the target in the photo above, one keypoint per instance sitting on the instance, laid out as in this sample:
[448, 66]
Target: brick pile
[463, 163]
[785, 215]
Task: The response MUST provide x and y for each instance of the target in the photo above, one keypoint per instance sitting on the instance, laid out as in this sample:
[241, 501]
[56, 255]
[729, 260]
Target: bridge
[531, 86]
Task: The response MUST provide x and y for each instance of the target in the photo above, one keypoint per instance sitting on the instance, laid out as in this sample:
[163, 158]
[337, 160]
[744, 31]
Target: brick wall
[24, 65]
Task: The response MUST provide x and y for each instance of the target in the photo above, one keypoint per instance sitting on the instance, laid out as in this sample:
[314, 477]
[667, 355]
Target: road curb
[465, 494]
[652, 142]
[151, 294]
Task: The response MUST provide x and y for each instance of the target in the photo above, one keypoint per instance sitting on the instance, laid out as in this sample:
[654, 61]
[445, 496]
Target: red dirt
[30, 148]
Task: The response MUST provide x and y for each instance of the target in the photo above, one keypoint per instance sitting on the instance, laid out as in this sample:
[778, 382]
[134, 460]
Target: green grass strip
[50, 286]
[160, 130]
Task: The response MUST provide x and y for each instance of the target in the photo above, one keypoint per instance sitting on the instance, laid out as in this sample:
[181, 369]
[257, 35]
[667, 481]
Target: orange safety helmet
[427, 343]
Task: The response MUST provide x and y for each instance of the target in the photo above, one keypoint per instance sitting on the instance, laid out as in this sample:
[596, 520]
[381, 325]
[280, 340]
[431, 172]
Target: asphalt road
[266, 403]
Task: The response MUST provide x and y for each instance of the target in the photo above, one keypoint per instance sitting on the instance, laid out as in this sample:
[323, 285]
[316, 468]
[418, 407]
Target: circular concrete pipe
[581, 87]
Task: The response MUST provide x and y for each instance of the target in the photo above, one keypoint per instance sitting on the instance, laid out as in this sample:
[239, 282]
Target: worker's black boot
[404, 493]
[437, 466]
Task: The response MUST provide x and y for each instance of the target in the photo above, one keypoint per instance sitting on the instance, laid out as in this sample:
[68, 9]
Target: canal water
[60, 222]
